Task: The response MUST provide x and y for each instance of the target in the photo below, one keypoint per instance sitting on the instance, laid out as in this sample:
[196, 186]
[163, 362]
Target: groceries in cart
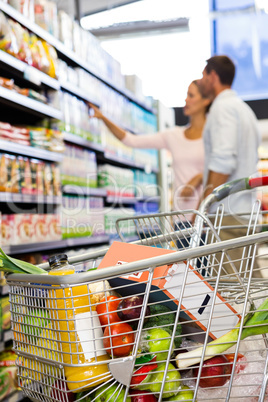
[144, 326]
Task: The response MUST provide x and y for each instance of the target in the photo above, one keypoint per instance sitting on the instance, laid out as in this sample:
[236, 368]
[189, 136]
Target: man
[231, 141]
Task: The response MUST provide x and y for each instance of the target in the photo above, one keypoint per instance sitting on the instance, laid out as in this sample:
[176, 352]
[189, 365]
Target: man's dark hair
[223, 66]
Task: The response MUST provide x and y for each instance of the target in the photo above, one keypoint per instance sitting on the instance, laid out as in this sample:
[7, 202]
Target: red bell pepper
[141, 375]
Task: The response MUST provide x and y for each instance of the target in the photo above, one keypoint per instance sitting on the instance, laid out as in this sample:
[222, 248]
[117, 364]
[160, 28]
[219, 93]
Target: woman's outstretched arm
[118, 132]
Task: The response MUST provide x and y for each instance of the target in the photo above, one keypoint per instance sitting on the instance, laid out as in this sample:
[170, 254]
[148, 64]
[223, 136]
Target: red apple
[215, 372]
[142, 396]
[241, 363]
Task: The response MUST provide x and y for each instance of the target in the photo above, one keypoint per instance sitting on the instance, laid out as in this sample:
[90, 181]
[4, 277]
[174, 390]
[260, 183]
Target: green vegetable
[172, 381]
[84, 396]
[254, 324]
[143, 359]
[163, 317]
[113, 393]
[12, 265]
[156, 341]
[185, 394]
[35, 323]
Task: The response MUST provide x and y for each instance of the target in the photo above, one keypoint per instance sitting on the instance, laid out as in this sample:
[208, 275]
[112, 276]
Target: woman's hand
[190, 187]
[97, 112]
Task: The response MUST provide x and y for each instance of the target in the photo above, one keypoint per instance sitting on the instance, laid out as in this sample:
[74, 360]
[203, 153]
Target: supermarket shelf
[78, 92]
[76, 139]
[84, 241]
[131, 200]
[101, 192]
[29, 198]
[123, 91]
[30, 73]
[34, 247]
[117, 199]
[29, 104]
[52, 245]
[77, 190]
[127, 162]
[107, 156]
[150, 198]
[33, 152]
[11, 12]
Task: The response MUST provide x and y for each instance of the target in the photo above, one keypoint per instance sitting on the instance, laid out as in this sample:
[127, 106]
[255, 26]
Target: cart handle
[232, 187]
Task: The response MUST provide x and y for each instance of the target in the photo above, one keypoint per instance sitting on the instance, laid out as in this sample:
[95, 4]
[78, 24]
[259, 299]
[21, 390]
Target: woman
[184, 143]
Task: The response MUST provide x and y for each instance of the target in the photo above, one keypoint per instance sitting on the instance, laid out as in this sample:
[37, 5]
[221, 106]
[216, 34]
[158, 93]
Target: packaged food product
[40, 229]
[65, 29]
[36, 57]
[23, 228]
[30, 93]
[19, 135]
[25, 7]
[48, 189]
[52, 57]
[7, 237]
[33, 167]
[41, 14]
[53, 224]
[14, 175]
[8, 373]
[25, 175]
[5, 312]
[8, 40]
[40, 178]
[3, 172]
[7, 83]
[22, 38]
[52, 11]
[56, 183]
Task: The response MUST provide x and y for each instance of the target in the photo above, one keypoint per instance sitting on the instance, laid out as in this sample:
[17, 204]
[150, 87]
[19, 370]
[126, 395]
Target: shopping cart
[65, 354]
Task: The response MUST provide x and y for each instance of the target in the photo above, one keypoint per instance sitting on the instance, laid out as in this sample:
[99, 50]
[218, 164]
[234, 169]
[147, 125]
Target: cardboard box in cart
[167, 286]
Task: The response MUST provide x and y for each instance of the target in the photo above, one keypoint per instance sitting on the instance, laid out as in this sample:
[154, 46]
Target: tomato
[241, 363]
[118, 338]
[106, 310]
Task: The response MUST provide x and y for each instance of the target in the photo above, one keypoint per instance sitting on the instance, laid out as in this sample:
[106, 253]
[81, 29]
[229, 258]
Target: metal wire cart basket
[186, 324]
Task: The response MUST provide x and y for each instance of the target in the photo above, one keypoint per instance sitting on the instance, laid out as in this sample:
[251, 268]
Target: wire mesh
[59, 342]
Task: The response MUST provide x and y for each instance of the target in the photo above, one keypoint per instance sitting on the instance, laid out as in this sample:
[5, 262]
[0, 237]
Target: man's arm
[214, 180]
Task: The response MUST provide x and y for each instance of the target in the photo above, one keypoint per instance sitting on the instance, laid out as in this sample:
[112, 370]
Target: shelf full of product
[65, 35]
[51, 76]
[64, 178]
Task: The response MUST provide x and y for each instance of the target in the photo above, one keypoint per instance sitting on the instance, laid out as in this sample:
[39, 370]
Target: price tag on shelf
[5, 290]
[7, 335]
[32, 75]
